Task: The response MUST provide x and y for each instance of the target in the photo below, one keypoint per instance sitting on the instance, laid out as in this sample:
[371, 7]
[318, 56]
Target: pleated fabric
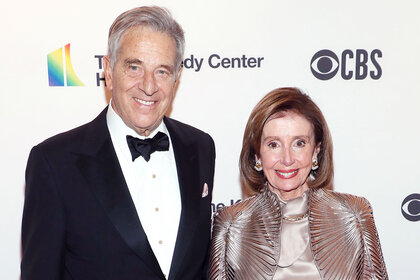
[343, 238]
[245, 239]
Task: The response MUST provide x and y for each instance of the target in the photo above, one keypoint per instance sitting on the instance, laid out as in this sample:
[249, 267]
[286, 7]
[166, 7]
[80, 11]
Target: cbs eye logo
[325, 64]
[410, 207]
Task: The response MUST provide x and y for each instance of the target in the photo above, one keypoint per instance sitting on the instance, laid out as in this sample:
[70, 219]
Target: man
[102, 204]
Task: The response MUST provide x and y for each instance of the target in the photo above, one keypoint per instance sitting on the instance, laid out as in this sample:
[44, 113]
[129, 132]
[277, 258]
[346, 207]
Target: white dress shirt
[153, 186]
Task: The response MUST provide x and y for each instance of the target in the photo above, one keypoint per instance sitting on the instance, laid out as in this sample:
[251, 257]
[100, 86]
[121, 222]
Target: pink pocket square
[205, 190]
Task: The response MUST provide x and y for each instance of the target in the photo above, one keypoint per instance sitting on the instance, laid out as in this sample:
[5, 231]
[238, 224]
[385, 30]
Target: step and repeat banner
[358, 60]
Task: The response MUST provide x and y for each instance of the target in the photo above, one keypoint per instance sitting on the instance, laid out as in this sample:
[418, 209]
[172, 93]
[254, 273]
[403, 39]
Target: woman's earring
[258, 165]
[315, 164]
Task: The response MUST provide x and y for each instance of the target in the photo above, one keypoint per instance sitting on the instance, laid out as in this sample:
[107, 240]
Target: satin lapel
[103, 173]
[189, 182]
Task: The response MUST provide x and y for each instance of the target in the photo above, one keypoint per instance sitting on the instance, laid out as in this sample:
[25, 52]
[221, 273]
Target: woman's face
[286, 153]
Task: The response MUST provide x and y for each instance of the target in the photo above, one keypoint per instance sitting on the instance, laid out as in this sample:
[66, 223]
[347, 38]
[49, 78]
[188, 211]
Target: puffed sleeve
[374, 260]
[220, 235]
[245, 243]
[344, 238]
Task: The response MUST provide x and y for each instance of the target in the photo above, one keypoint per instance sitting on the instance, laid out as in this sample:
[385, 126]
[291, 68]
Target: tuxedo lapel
[188, 178]
[99, 165]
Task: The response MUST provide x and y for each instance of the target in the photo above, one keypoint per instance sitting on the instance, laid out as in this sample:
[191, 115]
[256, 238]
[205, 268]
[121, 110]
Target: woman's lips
[287, 174]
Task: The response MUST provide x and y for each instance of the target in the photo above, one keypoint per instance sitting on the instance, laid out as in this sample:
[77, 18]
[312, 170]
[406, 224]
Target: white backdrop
[374, 122]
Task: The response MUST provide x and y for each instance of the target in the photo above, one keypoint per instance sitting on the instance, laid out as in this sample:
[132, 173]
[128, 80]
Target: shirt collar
[119, 131]
[116, 124]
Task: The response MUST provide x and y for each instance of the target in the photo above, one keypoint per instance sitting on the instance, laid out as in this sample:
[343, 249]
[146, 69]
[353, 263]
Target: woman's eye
[273, 145]
[300, 143]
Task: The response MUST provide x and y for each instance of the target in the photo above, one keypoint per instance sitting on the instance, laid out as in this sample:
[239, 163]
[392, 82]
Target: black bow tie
[145, 147]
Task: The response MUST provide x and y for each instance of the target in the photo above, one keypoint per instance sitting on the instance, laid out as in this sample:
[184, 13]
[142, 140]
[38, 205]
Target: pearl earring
[315, 164]
[258, 165]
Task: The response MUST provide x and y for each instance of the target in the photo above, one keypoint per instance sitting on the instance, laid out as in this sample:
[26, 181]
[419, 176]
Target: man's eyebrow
[129, 61]
[132, 60]
[168, 67]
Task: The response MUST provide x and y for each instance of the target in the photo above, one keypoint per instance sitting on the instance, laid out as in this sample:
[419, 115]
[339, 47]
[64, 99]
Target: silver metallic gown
[343, 238]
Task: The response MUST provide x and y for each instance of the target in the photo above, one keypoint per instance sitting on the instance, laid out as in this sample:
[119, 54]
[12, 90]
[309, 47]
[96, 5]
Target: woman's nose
[287, 157]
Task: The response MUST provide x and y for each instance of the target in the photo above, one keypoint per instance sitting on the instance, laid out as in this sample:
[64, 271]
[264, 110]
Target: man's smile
[144, 102]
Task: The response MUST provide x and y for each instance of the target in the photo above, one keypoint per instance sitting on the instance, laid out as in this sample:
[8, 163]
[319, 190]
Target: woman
[293, 227]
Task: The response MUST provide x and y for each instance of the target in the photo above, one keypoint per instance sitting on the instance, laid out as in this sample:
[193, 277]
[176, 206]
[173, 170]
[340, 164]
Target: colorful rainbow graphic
[56, 69]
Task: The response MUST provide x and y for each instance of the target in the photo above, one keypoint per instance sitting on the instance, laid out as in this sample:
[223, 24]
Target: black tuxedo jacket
[79, 221]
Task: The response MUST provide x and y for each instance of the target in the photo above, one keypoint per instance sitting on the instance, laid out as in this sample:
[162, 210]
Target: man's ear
[107, 71]
[178, 74]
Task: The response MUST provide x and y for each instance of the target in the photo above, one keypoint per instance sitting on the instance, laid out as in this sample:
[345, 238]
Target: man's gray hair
[157, 18]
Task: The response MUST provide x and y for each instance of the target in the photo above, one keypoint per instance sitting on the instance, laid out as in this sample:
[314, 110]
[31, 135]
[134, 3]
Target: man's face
[143, 78]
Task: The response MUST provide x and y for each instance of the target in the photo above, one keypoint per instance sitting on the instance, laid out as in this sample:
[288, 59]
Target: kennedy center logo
[60, 69]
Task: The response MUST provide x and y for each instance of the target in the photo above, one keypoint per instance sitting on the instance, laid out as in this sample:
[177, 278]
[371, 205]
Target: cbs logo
[410, 207]
[359, 64]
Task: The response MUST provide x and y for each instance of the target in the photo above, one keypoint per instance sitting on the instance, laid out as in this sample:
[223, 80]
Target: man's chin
[146, 128]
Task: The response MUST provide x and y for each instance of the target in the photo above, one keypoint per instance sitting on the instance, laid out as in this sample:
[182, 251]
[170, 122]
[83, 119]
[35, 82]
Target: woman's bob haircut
[272, 105]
